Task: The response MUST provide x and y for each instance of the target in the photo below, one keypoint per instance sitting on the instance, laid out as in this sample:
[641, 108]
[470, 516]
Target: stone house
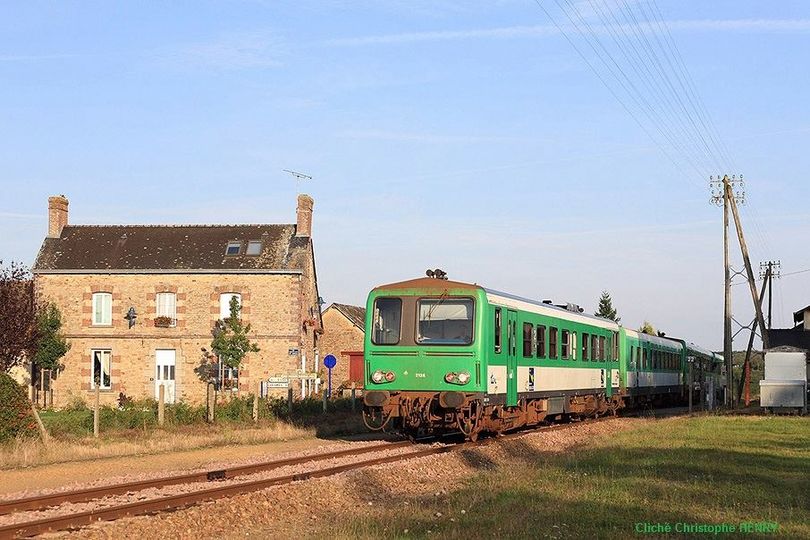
[343, 332]
[139, 302]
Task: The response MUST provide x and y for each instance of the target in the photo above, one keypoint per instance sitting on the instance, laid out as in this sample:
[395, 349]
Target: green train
[443, 356]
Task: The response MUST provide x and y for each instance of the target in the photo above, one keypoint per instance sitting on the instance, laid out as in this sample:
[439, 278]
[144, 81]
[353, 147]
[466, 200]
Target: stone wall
[339, 335]
[277, 307]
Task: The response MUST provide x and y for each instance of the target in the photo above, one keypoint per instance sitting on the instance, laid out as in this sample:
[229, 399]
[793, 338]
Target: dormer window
[233, 248]
[254, 247]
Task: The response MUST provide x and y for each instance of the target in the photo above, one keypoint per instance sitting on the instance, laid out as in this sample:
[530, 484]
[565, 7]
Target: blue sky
[458, 134]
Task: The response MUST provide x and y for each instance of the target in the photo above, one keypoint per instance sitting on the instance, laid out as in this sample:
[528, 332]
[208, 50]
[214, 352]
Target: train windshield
[445, 321]
[387, 321]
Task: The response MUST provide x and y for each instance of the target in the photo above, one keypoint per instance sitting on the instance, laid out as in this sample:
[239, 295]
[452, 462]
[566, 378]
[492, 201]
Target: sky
[465, 135]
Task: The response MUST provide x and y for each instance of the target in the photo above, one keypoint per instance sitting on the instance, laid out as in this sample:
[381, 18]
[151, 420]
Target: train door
[511, 359]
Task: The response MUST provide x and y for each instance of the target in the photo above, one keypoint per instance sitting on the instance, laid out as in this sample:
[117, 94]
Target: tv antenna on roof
[298, 178]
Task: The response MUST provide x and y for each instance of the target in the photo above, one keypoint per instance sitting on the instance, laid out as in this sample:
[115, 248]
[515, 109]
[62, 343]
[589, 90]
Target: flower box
[164, 322]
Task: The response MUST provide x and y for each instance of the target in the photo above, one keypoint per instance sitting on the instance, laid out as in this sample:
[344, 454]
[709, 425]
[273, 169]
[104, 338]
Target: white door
[164, 374]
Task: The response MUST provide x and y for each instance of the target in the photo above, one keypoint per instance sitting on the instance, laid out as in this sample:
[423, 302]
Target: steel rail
[40, 502]
[174, 502]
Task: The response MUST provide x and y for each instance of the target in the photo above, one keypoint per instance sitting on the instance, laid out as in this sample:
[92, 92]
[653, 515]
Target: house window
[552, 342]
[101, 369]
[541, 341]
[102, 309]
[254, 247]
[233, 248]
[565, 341]
[497, 330]
[229, 378]
[528, 333]
[225, 304]
[166, 303]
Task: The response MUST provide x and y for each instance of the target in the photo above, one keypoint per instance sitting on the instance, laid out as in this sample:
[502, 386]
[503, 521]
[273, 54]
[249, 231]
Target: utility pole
[720, 196]
[769, 270]
[746, 259]
[747, 365]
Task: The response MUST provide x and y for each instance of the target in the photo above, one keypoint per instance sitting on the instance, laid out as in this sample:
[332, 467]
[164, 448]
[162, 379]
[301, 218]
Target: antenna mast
[298, 178]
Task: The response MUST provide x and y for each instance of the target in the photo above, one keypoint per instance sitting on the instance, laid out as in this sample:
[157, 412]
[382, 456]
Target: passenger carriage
[446, 356]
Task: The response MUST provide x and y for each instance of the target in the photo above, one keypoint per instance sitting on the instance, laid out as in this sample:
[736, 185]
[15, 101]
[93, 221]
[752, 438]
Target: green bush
[236, 409]
[16, 418]
[68, 422]
[183, 414]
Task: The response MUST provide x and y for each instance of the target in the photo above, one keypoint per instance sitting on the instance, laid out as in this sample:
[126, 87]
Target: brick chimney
[57, 215]
[304, 213]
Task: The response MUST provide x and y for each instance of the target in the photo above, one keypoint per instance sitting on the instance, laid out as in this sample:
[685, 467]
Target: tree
[648, 328]
[606, 308]
[51, 344]
[231, 342]
[18, 315]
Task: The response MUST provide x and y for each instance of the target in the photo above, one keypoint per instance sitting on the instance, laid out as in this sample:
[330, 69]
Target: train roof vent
[549, 302]
[573, 307]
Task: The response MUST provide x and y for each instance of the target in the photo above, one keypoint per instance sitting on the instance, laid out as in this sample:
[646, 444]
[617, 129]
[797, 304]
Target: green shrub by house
[16, 418]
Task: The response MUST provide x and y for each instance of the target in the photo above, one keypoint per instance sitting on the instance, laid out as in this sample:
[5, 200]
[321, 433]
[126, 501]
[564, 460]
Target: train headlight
[390, 376]
[377, 376]
[462, 377]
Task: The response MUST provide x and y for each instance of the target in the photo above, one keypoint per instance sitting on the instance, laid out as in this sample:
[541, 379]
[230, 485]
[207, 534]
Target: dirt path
[63, 474]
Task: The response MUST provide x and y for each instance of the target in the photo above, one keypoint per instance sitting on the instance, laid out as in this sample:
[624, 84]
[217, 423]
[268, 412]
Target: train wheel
[469, 420]
[375, 418]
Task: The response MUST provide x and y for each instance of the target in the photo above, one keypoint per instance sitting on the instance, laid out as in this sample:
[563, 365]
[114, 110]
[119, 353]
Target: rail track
[176, 501]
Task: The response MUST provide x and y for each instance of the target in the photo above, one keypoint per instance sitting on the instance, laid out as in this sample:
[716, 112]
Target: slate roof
[355, 314]
[171, 248]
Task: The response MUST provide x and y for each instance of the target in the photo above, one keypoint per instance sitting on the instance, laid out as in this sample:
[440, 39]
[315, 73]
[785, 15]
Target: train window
[602, 348]
[528, 333]
[387, 321]
[584, 346]
[552, 342]
[573, 345]
[643, 358]
[565, 343]
[616, 346]
[541, 341]
[445, 321]
[497, 330]
[594, 347]
[632, 358]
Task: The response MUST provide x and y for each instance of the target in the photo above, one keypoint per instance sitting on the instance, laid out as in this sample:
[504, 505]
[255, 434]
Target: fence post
[354, 396]
[96, 411]
[691, 387]
[161, 405]
[256, 401]
[210, 400]
[289, 399]
[42, 389]
[50, 388]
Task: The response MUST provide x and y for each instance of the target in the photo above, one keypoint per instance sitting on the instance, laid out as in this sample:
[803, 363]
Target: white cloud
[508, 32]
[431, 138]
[259, 50]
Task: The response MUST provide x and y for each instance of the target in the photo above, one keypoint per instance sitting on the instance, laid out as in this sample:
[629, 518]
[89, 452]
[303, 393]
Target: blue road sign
[330, 361]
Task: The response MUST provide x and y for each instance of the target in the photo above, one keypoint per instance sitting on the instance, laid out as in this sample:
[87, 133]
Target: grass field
[705, 470]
